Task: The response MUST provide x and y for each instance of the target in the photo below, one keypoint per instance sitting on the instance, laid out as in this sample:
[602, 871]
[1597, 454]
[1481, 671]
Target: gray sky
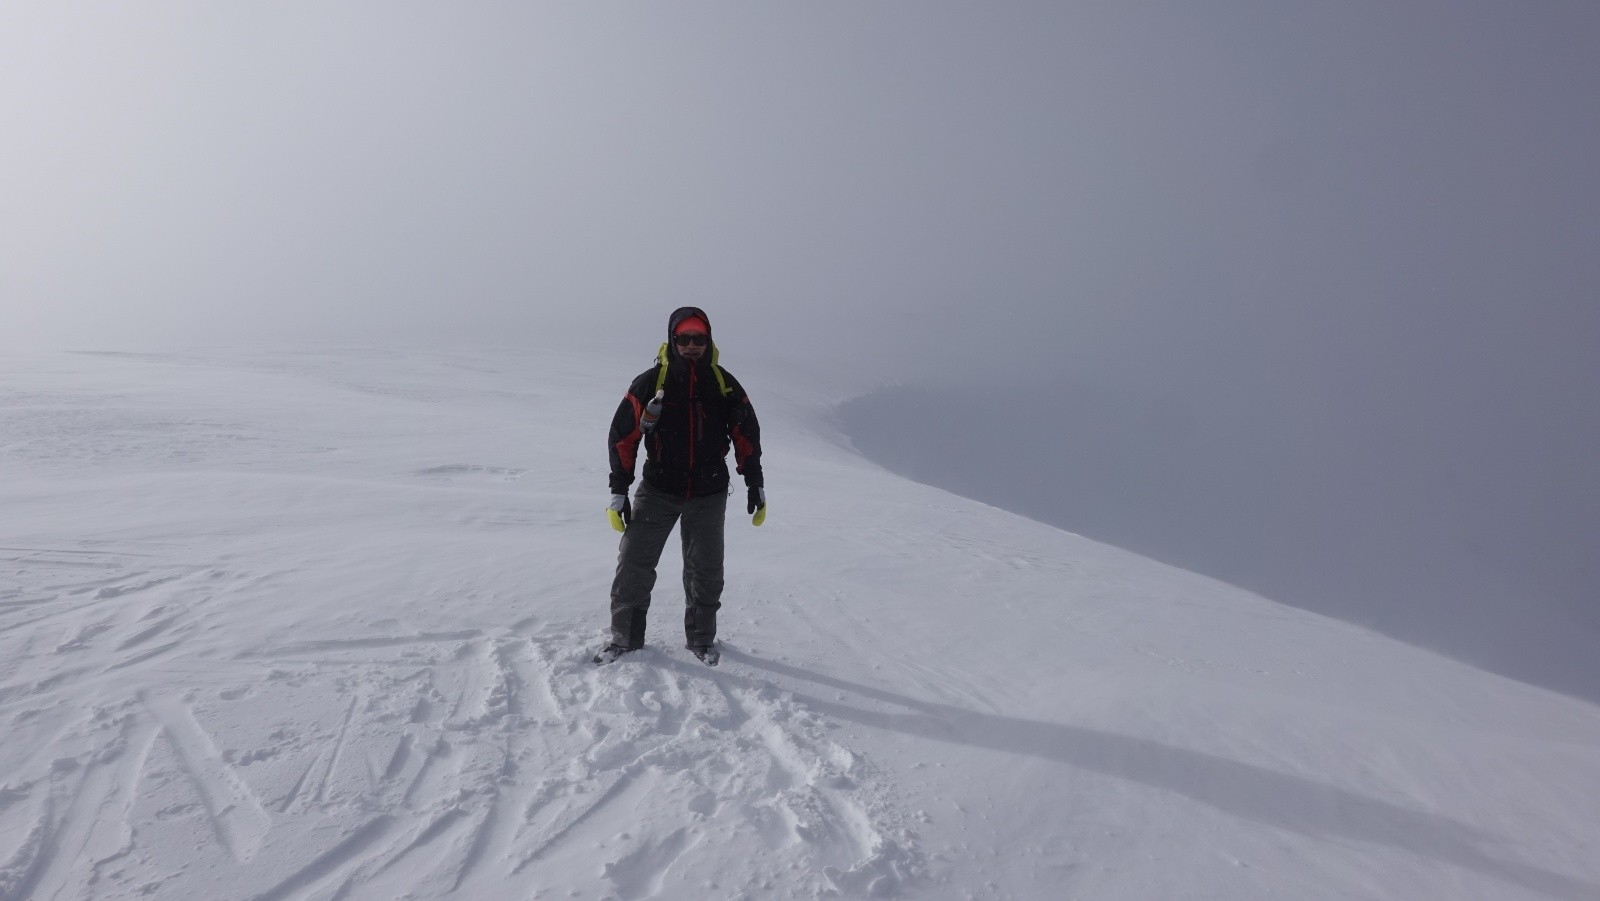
[1377, 221]
[1239, 186]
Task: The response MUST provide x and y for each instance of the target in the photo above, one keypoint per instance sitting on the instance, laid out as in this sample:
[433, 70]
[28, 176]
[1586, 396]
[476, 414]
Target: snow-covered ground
[316, 625]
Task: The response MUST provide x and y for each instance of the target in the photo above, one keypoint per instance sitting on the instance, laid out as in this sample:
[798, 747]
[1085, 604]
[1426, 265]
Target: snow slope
[315, 625]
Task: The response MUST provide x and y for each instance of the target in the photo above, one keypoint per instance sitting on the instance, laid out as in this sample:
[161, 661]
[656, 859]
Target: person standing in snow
[688, 411]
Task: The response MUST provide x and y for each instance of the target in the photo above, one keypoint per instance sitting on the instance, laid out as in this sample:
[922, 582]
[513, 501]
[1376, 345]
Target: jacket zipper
[688, 491]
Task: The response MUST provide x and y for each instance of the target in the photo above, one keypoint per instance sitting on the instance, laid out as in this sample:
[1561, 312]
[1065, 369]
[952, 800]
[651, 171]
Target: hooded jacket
[704, 413]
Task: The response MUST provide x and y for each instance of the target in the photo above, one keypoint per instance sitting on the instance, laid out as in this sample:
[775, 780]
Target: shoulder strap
[717, 371]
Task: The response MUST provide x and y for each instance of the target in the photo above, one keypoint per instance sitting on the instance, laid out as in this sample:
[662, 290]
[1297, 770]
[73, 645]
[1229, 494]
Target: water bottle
[652, 412]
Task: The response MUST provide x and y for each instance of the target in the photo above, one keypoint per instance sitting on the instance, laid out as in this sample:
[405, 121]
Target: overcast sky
[1127, 184]
[1378, 220]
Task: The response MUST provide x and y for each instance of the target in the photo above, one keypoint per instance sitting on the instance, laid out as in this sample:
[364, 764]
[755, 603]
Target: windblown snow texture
[318, 624]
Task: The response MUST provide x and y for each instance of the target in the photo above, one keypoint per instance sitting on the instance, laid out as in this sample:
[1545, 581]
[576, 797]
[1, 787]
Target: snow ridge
[316, 626]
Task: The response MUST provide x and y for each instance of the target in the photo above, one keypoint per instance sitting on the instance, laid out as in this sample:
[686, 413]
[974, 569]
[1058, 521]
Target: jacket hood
[681, 314]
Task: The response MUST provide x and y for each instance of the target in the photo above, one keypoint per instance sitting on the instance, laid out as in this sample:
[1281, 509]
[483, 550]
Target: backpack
[662, 358]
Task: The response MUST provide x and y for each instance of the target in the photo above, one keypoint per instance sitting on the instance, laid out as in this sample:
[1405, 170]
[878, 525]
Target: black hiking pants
[701, 521]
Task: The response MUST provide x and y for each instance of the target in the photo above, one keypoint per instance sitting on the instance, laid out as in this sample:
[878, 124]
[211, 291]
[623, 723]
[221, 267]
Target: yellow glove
[757, 504]
[620, 512]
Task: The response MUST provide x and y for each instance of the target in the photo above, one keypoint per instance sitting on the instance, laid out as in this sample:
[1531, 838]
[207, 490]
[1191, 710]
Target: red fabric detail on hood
[692, 324]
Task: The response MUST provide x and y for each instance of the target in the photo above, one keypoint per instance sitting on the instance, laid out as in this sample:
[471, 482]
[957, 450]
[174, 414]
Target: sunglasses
[686, 340]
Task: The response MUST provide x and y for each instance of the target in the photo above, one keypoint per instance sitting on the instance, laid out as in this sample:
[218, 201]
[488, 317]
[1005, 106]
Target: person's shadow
[1241, 789]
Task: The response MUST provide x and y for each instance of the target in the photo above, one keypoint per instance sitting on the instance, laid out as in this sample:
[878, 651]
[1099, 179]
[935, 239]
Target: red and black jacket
[704, 413]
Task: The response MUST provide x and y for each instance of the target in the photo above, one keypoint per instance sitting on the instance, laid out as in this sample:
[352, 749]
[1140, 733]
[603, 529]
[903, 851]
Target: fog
[1325, 273]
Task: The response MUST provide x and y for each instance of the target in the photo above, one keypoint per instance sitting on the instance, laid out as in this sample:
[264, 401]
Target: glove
[620, 512]
[757, 504]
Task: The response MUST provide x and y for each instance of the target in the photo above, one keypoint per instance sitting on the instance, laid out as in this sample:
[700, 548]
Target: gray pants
[654, 515]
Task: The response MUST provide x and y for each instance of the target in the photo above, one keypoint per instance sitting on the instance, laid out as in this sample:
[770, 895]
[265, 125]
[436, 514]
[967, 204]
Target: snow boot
[610, 653]
[706, 653]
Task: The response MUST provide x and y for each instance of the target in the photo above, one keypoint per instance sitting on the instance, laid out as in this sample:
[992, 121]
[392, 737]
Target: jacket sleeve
[744, 430]
[623, 441]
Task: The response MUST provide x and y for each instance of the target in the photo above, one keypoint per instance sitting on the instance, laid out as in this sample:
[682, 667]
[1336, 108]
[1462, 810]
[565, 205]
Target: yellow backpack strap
[661, 371]
[717, 370]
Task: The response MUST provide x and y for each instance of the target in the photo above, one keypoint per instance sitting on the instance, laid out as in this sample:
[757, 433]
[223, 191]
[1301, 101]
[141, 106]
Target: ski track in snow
[466, 763]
